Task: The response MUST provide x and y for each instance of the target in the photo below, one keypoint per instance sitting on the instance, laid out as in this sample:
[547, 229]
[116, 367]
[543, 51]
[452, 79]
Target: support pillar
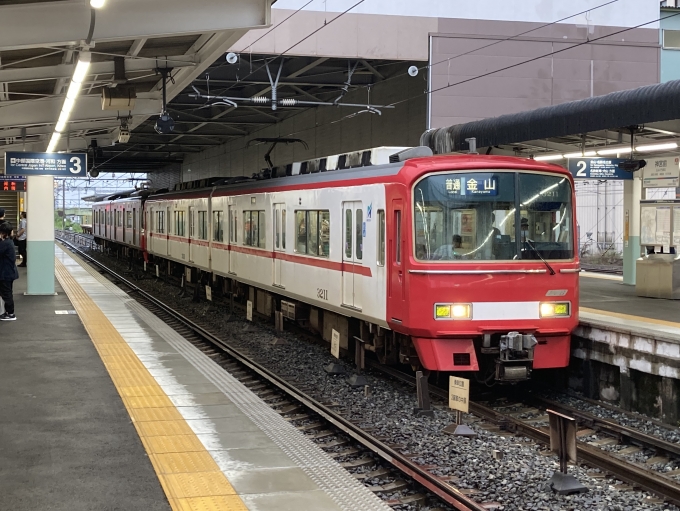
[40, 235]
[632, 195]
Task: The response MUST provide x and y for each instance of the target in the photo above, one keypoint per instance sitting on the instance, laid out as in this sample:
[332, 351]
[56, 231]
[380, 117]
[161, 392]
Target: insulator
[260, 100]
[288, 102]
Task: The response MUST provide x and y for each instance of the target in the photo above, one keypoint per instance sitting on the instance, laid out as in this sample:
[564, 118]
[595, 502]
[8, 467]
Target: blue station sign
[46, 164]
[598, 168]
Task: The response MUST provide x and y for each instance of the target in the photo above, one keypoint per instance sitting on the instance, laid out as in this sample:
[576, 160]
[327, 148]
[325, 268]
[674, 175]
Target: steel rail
[607, 426]
[443, 490]
[637, 475]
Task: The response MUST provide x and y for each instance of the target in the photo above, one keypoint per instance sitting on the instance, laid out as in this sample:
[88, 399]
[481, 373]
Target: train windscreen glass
[493, 216]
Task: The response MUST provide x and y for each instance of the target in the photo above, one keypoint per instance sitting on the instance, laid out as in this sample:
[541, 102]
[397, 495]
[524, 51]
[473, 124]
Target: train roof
[368, 173]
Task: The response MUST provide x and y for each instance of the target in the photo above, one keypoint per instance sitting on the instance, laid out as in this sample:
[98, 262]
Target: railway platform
[628, 347]
[110, 408]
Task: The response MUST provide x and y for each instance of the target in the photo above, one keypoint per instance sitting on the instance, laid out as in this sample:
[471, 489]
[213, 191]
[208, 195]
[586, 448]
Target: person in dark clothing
[21, 239]
[8, 271]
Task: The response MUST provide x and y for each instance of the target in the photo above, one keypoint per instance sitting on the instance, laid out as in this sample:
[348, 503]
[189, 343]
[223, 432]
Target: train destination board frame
[46, 164]
[598, 168]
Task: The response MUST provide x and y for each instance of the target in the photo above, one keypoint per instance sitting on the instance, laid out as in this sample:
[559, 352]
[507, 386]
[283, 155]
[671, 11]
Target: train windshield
[493, 216]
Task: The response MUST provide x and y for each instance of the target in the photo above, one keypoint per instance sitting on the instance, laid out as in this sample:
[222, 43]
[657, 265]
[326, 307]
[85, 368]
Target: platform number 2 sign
[582, 166]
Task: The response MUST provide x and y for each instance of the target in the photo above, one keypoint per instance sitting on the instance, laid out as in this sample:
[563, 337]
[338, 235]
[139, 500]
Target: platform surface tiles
[212, 442]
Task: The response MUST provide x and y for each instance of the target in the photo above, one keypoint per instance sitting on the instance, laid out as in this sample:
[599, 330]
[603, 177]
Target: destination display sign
[598, 168]
[46, 164]
[476, 184]
[12, 184]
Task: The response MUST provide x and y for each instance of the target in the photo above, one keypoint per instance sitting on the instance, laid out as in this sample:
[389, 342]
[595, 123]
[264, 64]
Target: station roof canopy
[600, 123]
[40, 42]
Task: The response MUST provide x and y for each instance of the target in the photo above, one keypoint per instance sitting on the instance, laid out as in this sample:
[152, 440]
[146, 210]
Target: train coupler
[516, 357]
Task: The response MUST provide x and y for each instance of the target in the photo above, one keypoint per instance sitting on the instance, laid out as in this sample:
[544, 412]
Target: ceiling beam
[136, 47]
[67, 23]
[65, 71]
[373, 70]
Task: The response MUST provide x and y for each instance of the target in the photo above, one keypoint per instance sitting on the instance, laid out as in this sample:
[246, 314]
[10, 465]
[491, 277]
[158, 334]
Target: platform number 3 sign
[76, 166]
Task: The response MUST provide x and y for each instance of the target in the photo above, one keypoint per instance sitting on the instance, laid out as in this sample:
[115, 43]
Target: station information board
[12, 184]
[46, 164]
[597, 168]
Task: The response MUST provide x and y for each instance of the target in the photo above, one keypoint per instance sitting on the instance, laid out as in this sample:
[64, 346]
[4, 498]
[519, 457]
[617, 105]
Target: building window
[671, 39]
[254, 232]
[179, 223]
[381, 237]
[202, 225]
[313, 232]
[218, 225]
[160, 222]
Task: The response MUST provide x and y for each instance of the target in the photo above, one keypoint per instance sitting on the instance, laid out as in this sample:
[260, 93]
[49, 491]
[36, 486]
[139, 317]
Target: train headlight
[555, 309]
[452, 311]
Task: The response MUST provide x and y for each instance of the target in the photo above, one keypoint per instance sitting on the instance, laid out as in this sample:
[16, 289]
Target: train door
[396, 255]
[191, 233]
[352, 254]
[279, 240]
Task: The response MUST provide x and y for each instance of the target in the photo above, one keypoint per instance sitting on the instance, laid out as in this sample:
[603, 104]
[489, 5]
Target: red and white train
[449, 263]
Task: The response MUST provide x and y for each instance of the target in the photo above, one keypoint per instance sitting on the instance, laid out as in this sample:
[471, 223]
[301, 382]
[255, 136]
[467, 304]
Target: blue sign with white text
[46, 164]
[598, 168]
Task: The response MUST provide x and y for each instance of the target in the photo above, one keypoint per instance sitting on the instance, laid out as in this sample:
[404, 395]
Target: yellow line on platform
[629, 317]
[190, 477]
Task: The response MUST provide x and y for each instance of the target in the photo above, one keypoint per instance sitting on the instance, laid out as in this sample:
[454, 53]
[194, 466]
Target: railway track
[529, 418]
[358, 451]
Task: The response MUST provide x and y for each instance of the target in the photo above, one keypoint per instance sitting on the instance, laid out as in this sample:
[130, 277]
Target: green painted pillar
[40, 235]
[632, 195]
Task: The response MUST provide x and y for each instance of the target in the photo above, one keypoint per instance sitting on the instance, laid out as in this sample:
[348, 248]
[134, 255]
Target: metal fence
[83, 240]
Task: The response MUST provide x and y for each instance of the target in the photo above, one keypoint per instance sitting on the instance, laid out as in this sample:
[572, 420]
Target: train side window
[254, 232]
[202, 225]
[179, 223]
[218, 226]
[348, 234]
[192, 229]
[313, 232]
[381, 237]
[160, 226]
[283, 229]
[128, 219]
[397, 227]
[359, 234]
[277, 229]
[301, 232]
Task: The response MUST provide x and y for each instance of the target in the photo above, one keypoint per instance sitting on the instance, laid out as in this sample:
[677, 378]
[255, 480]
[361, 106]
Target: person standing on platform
[8, 271]
[21, 239]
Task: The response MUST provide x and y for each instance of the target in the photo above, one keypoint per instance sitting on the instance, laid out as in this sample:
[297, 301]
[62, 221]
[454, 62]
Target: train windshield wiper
[533, 247]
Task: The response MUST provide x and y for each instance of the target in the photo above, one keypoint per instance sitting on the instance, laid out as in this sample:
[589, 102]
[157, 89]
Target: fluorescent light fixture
[613, 150]
[97, 4]
[79, 74]
[53, 142]
[548, 157]
[580, 154]
[657, 147]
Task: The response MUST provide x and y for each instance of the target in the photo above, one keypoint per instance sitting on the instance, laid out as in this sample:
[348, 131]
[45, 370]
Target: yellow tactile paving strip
[191, 479]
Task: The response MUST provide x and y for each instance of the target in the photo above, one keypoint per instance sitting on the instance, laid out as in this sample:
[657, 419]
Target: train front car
[492, 268]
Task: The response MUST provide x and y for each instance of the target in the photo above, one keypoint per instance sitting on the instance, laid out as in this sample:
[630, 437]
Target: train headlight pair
[555, 309]
[452, 311]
